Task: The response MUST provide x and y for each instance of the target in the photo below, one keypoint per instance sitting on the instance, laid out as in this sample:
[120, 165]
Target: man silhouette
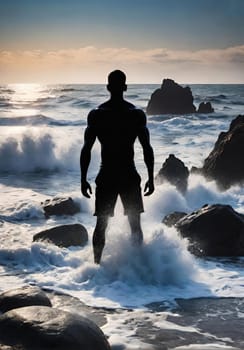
[116, 124]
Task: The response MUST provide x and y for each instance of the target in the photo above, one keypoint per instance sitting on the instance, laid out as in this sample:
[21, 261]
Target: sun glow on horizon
[92, 64]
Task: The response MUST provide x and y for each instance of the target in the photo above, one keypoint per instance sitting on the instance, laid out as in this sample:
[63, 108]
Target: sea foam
[37, 152]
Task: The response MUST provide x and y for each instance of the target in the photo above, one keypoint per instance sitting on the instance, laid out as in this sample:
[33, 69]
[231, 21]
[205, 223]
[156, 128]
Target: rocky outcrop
[172, 218]
[24, 296]
[171, 98]
[225, 163]
[60, 206]
[205, 107]
[214, 230]
[64, 235]
[175, 172]
[41, 327]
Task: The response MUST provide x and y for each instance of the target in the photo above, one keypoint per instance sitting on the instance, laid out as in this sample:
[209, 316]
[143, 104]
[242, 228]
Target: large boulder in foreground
[41, 327]
[60, 206]
[214, 230]
[24, 296]
[64, 235]
[171, 98]
[175, 172]
[225, 163]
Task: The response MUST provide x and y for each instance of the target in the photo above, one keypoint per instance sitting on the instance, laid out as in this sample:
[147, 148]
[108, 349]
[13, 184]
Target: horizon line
[128, 83]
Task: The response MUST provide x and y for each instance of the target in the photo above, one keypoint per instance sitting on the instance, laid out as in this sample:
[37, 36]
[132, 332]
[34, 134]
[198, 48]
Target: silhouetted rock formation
[42, 327]
[171, 98]
[225, 163]
[205, 107]
[24, 296]
[60, 206]
[214, 230]
[175, 172]
[64, 236]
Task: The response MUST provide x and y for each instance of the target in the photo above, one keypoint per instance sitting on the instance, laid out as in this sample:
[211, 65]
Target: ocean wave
[38, 120]
[4, 104]
[132, 96]
[33, 120]
[45, 99]
[37, 153]
[24, 212]
[6, 90]
[65, 98]
[161, 118]
[68, 89]
[220, 98]
[238, 102]
[83, 103]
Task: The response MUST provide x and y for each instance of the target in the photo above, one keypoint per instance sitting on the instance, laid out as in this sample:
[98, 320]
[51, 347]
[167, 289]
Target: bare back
[117, 126]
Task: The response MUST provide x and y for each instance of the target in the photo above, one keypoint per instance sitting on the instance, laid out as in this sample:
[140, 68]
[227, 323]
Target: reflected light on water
[23, 93]
[25, 98]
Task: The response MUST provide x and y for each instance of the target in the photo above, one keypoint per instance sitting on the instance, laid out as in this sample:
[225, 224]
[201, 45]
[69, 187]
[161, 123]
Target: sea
[156, 297]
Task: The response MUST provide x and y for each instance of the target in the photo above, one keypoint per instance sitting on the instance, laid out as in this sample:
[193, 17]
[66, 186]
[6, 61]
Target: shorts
[127, 187]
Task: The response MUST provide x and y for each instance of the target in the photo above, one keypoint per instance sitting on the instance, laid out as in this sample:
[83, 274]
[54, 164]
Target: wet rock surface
[24, 296]
[225, 162]
[60, 206]
[64, 235]
[214, 230]
[41, 327]
[175, 172]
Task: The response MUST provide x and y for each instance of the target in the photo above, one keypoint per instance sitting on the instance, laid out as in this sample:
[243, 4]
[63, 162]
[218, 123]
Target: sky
[78, 41]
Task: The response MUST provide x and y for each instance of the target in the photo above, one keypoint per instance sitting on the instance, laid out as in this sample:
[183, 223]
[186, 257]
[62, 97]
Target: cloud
[92, 61]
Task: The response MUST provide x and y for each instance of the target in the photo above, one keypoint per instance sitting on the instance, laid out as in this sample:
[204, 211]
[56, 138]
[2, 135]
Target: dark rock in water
[60, 206]
[41, 327]
[205, 107]
[171, 98]
[214, 230]
[172, 218]
[175, 172]
[24, 296]
[225, 163]
[64, 235]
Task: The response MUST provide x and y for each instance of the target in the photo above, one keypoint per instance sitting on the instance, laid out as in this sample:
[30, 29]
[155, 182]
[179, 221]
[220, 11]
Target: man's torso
[117, 127]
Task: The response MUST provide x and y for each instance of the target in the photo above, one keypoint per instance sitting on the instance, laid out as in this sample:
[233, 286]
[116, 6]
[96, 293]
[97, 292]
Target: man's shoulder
[92, 116]
[140, 115]
[110, 105]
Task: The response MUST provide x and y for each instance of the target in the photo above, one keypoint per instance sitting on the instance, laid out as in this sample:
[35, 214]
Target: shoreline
[199, 323]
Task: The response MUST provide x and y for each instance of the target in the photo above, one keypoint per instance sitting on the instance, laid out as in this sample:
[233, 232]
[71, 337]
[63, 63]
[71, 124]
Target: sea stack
[225, 162]
[171, 98]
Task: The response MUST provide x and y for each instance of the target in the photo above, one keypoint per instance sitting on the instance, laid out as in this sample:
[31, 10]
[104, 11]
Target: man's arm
[85, 157]
[144, 139]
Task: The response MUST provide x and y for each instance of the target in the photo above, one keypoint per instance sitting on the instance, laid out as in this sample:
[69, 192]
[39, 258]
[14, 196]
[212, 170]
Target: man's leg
[99, 237]
[136, 230]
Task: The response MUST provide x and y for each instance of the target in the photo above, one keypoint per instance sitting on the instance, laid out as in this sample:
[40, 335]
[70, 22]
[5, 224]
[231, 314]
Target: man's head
[116, 82]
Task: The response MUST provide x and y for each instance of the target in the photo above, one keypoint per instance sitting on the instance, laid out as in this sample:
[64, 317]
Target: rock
[214, 230]
[171, 98]
[175, 172]
[24, 296]
[64, 235]
[172, 218]
[42, 327]
[205, 107]
[60, 206]
[225, 162]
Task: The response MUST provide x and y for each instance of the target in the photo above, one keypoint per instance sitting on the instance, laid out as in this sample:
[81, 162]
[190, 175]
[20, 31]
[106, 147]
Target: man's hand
[149, 188]
[86, 189]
